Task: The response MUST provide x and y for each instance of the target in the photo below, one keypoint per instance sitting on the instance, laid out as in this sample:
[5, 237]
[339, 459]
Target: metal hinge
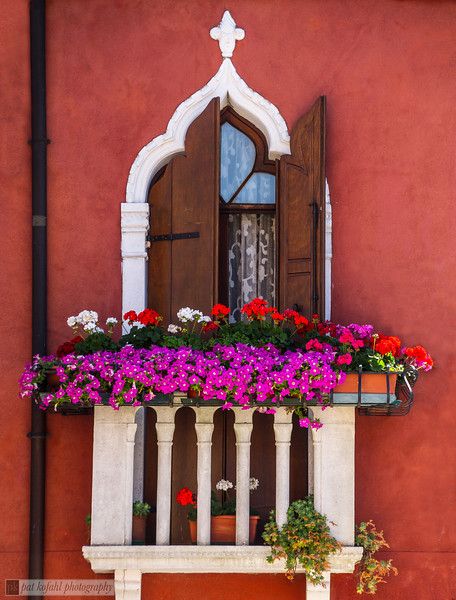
[170, 237]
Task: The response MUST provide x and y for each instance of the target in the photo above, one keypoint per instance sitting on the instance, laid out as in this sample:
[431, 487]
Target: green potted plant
[141, 511]
[223, 513]
[305, 540]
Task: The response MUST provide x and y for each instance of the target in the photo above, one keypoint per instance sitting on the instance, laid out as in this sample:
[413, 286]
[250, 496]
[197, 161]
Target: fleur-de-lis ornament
[227, 34]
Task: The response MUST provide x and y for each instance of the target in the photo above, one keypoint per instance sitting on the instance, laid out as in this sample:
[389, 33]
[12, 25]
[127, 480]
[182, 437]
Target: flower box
[366, 388]
[266, 361]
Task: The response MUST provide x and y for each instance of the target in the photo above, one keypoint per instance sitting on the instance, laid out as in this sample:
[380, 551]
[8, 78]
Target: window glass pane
[251, 260]
[259, 189]
[237, 157]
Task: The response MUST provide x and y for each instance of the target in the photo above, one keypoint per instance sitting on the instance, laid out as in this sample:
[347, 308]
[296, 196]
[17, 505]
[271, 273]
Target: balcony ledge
[201, 559]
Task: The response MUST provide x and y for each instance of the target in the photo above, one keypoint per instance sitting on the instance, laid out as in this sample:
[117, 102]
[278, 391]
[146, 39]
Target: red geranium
[420, 356]
[220, 311]
[256, 309]
[299, 321]
[185, 497]
[148, 317]
[276, 316]
[68, 347]
[211, 326]
[130, 316]
[388, 344]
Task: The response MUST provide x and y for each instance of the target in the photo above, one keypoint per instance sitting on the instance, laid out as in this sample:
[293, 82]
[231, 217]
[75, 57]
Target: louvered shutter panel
[301, 214]
[185, 199]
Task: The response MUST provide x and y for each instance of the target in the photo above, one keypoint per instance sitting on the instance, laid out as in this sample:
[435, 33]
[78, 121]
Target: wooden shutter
[301, 212]
[185, 199]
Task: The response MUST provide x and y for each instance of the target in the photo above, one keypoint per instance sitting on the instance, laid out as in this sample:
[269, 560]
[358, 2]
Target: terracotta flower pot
[138, 533]
[223, 529]
[193, 393]
[371, 383]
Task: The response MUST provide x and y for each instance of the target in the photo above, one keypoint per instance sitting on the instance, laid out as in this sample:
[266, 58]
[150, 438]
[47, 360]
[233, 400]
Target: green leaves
[304, 540]
[142, 337]
[141, 509]
[95, 342]
[370, 571]
[253, 333]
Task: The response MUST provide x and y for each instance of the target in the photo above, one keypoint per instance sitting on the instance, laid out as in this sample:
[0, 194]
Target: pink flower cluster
[235, 375]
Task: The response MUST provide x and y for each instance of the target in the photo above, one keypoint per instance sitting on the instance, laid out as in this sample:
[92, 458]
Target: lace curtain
[251, 239]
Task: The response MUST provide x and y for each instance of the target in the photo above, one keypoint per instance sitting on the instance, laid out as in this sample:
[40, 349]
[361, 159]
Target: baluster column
[204, 426]
[283, 426]
[243, 426]
[165, 432]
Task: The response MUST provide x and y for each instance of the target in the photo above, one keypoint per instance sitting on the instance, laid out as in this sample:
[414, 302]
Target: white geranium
[111, 321]
[224, 485]
[205, 319]
[88, 316]
[72, 321]
[174, 328]
[253, 484]
[186, 315]
[197, 316]
[90, 327]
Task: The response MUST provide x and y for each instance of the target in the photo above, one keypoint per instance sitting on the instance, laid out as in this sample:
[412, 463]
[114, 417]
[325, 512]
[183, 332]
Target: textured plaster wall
[116, 72]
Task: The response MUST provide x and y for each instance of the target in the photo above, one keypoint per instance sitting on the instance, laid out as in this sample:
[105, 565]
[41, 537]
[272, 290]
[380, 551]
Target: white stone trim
[328, 252]
[201, 559]
[227, 34]
[112, 475]
[334, 470]
[231, 89]
[127, 584]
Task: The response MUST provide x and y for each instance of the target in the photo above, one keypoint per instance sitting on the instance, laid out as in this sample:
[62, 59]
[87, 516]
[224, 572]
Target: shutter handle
[297, 307]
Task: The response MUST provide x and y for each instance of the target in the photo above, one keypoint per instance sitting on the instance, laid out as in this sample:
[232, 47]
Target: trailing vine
[370, 571]
[305, 540]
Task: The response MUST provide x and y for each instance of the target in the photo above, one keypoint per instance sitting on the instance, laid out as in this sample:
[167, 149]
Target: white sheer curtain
[251, 239]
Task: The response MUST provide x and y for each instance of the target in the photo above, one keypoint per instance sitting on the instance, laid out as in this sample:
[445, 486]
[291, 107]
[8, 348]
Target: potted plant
[223, 513]
[141, 511]
[304, 540]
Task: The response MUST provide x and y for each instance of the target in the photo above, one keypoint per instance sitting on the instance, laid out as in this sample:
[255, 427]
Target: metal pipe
[38, 144]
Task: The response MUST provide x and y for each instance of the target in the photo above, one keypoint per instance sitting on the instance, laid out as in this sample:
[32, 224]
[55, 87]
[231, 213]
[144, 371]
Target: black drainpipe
[38, 144]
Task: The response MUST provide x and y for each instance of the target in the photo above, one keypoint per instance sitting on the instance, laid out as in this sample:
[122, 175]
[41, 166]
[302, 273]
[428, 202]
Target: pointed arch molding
[231, 89]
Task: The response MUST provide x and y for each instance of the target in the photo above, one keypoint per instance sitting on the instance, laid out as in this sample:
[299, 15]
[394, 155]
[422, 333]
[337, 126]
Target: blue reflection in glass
[237, 157]
[259, 189]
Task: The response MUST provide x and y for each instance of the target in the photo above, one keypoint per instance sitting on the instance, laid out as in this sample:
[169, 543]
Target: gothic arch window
[228, 224]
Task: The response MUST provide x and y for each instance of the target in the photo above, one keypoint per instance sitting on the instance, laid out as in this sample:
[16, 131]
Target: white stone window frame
[331, 449]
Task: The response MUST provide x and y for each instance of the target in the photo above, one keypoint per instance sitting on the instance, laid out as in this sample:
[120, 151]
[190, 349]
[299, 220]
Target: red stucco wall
[116, 72]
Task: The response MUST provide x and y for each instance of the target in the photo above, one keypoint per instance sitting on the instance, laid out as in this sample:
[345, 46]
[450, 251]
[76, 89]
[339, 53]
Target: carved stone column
[283, 426]
[112, 479]
[165, 432]
[204, 428]
[243, 426]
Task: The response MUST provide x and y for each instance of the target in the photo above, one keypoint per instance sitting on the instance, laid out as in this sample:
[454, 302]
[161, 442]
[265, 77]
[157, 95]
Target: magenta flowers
[235, 375]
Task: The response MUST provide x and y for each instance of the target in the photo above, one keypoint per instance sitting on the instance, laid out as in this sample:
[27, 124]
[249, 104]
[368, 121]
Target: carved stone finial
[227, 34]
